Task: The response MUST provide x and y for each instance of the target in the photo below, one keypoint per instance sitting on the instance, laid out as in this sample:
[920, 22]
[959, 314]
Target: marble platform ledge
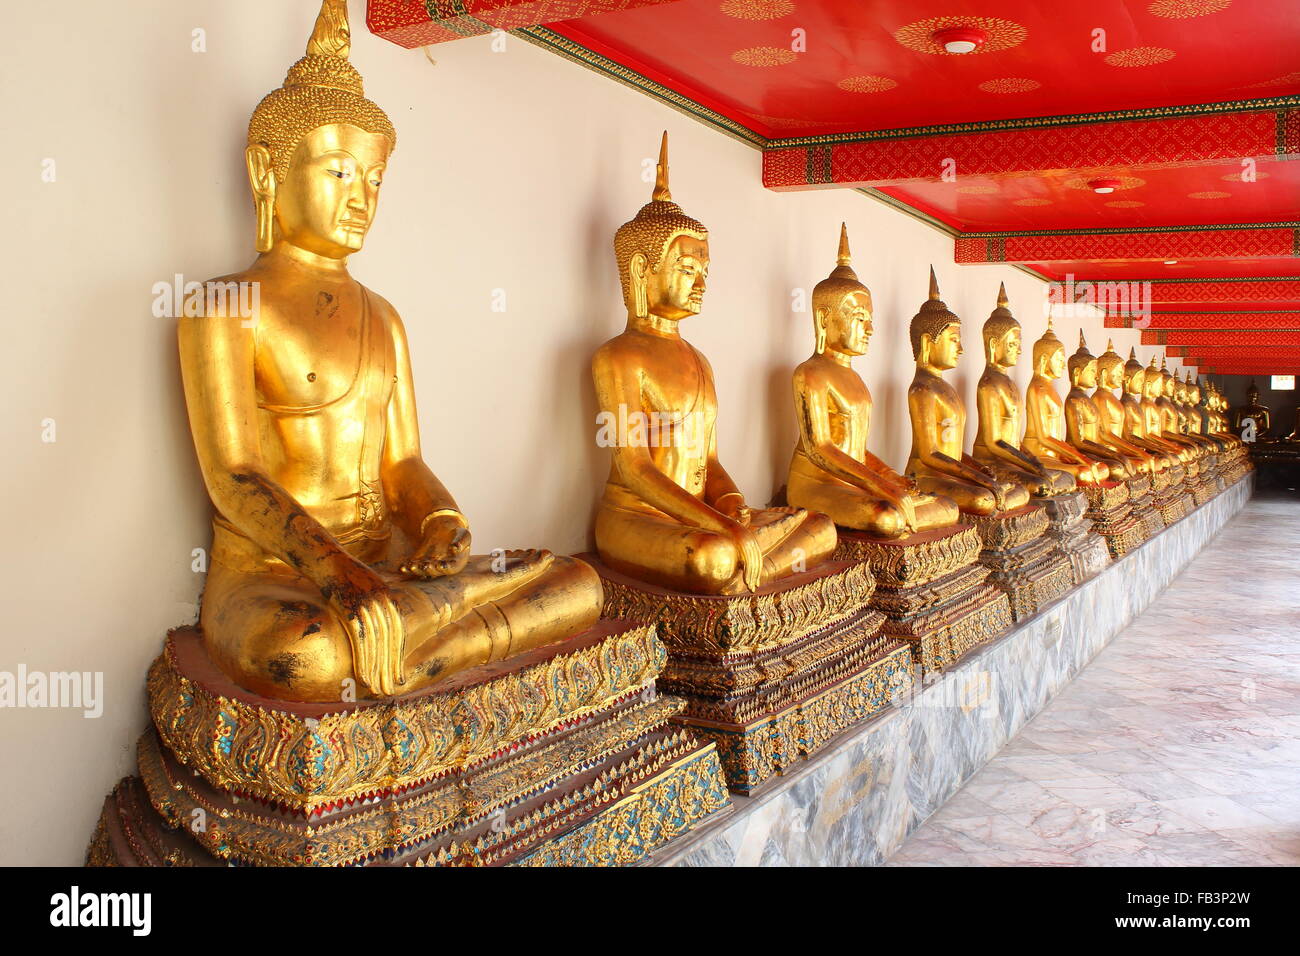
[855, 803]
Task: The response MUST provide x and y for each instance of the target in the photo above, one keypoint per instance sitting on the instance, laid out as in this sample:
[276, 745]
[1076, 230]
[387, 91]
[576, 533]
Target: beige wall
[512, 172]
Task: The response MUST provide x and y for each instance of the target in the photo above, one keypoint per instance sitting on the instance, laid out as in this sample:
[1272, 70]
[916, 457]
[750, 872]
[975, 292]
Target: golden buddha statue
[1083, 421]
[1045, 430]
[1110, 414]
[1165, 416]
[832, 471]
[1261, 415]
[670, 514]
[998, 403]
[938, 415]
[1140, 427]
[337, 554]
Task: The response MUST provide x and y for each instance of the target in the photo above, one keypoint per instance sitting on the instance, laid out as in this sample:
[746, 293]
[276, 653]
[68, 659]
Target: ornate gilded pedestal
[564, 755]
[1141, 499]
[933, 591]
[1069, 527]
[1112, 518]
[772, 675]
[1172, 498]
[1023, 561]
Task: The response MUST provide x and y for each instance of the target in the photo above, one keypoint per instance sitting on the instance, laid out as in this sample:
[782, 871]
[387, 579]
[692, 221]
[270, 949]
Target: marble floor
[1179, 745]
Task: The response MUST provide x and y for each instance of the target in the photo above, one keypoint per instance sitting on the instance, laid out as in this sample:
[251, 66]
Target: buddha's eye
[338, 173]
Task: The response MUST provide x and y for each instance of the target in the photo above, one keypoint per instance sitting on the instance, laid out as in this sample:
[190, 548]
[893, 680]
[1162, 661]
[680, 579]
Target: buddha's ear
[819, 328]
[636, 277]
[261, 179]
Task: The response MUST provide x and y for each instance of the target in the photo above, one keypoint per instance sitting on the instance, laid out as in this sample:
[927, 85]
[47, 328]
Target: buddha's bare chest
[298, 364]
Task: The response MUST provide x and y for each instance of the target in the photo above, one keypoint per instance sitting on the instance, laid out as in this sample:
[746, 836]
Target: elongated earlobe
[261, 178]
[819, 323]
[637, 277]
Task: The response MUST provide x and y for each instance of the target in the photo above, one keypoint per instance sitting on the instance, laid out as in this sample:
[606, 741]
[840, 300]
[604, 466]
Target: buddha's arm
[617, 384]
[814, 432]
[419, 502]
[926, 426]
[991, 406]
[217, 361]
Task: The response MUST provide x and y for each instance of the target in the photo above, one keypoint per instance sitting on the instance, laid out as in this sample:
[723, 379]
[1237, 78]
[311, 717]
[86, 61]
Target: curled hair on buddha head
[1000, 320]
[1109, 360]
[831, 291]
[321, 89]
[932, 318]
[1080, 359]
[652, 230]
[1047, 345]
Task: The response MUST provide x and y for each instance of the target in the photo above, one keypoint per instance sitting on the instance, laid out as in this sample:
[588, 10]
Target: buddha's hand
[908, 507]
[734, 507]
[749, 556]
[363, 603]
[444, 550]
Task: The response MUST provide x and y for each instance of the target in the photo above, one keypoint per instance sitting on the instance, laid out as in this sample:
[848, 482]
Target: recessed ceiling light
[960, 39]
[1104, 185]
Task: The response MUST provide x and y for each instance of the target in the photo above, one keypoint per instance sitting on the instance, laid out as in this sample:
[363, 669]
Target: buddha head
[1167, 379]
[842, 307]
[935, 332]
[1049, 354]
[1134, 377]
[662, 254]
[317, 149]
[1252, 393]
[1083, 366]
[1001, 334]
[1110, 367]
[1153, 383]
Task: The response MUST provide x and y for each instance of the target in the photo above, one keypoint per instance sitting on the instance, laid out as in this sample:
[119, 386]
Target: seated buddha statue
[1152, 387]
[1254, 411]
[831, 470]
[998, 404]
[1170, 427]
[670, 514]
[1192, 422]
[1083, 421]
[337, 555]
[1110, 415]
[1136, 416]
[937, 462]
[1045, 415]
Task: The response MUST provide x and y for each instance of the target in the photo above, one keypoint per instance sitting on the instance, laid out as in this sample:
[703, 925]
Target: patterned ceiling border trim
[1200, 279]
[1049, 122]
[577, 53]
[1133, 230]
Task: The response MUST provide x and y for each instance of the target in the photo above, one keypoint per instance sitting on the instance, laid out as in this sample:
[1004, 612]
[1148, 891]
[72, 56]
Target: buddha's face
[1086, 375]
[676, 289]
[1054, 363]
[1152, 386]
[848, 326]
[1006, 348]
[1108, 375]
[1133, 382]
[946, 348]
[328, 199]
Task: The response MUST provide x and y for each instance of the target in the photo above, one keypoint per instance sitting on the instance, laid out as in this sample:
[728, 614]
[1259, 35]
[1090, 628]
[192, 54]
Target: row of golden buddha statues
[362, 689]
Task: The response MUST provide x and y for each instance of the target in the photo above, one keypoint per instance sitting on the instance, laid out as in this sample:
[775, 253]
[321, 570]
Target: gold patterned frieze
[724, 624]
[304, 759]
[910, 562]
[1009, 530]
